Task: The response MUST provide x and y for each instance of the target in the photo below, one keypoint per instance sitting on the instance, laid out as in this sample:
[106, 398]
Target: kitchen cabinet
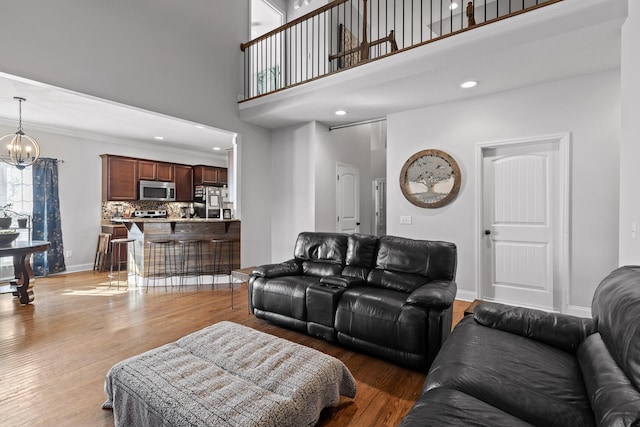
[155, 171]
[165, 171]
[119, 178]
[183, 175]
[203, 175]
[147, 170]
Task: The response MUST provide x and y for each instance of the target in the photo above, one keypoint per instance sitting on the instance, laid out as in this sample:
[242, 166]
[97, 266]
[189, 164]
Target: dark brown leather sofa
[512, 366]
[390, 297]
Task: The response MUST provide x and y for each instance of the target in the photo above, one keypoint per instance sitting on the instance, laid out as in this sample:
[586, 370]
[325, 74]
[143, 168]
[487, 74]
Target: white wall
[586, 106]
[350, 146]
[159, 55]
[630, 138]
[293, 187]
[303, 175]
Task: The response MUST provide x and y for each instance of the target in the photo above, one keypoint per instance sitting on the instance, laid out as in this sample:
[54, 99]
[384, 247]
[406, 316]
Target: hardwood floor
[55, 352]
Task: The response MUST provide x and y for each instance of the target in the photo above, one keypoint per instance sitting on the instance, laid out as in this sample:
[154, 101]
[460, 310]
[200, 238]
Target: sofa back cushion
[361, 255]
[328, 248]
[616, 314]
[361, 250]
[406, 264]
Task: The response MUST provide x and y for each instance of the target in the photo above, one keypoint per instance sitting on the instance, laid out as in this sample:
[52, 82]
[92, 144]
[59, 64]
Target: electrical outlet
[68, 254]
[405, 219]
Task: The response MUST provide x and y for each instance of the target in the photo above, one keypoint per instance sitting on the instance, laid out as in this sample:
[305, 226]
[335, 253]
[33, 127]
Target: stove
[159, 213]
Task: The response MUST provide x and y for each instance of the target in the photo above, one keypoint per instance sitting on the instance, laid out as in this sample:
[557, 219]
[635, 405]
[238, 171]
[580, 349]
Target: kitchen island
[144, 230]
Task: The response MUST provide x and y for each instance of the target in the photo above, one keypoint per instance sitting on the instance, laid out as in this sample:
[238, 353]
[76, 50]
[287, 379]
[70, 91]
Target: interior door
[521, 219]
[380, 206]
[347, 199]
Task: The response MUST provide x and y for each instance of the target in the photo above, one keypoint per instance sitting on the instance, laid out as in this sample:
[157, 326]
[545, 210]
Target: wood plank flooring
[55, 352]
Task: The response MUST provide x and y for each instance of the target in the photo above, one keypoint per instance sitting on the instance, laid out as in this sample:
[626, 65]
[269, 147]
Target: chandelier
[23, 150]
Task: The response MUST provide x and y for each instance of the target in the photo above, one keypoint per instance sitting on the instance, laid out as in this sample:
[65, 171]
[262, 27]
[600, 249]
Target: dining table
[21, 252]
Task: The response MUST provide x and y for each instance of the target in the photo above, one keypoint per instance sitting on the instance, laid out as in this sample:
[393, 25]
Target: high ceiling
[53, 109]
[565, 39]
[562, 40]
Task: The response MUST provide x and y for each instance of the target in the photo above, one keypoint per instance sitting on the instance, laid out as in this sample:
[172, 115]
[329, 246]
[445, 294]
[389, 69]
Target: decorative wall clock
[430, 179]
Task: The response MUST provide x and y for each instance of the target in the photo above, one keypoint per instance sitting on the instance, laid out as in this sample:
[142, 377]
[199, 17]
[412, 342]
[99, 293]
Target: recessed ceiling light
[217, 148]
[158, 137]
[341, 113]
[468, 84]
[453, 6]
[200, 126]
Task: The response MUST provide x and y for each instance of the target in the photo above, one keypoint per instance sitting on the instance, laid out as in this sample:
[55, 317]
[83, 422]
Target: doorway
[347, 199]
[523, 222]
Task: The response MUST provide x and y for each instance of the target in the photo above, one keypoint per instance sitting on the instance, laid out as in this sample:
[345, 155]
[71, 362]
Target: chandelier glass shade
[22, 150]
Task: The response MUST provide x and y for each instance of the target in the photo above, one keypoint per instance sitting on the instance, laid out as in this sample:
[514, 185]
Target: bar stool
[190, 248]
[117, 244]
[166, 270]
[102, 252]
[218, 245]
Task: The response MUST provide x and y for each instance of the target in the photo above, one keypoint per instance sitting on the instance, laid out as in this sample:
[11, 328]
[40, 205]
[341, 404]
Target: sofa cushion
[614, 400]
[616, 313]
[361, 250]
[321, 247]
[559, 330]
[380, 316]
[447, 407]
[282, 295]
[535, 382]
[410, 258]
[320, 269]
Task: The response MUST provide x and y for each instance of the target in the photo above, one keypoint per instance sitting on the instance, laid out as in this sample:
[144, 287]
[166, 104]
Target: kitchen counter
[126, 220]
[142, 222]
[144, 230]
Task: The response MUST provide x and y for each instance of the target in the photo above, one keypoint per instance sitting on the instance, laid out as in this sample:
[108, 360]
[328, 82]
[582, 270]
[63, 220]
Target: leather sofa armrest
[342, 281]
[437, 294]
[558, 330]
[287, 268]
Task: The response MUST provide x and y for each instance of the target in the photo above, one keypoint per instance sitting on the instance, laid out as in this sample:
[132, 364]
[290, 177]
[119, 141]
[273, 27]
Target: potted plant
[5, 220]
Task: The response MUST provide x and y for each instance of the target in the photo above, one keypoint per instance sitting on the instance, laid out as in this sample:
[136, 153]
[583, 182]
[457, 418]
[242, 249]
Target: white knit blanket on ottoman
[226, 375]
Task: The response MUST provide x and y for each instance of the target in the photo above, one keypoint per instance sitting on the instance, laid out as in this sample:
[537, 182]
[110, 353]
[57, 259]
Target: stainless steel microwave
[158, 191]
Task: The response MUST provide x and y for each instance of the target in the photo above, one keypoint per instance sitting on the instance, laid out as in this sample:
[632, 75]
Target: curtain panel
[46, 217]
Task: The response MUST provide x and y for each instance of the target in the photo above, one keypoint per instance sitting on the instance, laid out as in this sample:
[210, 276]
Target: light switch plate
[405, 219]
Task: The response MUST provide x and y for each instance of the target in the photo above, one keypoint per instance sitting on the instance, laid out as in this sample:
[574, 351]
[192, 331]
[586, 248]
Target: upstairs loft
[351, 55]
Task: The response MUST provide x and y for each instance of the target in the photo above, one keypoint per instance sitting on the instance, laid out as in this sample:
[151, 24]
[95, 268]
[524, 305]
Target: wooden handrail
[295, 22]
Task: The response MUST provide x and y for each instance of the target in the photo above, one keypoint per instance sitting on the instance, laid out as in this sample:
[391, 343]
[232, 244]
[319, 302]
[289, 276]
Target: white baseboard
[578, 311]
[466, 295]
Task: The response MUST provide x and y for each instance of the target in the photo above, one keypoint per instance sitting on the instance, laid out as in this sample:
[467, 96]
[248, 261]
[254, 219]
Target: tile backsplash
[125, 209]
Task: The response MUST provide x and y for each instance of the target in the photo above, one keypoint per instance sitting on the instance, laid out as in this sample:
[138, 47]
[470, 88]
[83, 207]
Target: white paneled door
[522, 225]
[347, 199]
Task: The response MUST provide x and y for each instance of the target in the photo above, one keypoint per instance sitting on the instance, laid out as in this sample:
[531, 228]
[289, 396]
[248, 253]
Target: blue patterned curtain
[46, 217]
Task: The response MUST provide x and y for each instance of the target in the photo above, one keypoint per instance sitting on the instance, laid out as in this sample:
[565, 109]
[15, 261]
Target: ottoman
[226, 375]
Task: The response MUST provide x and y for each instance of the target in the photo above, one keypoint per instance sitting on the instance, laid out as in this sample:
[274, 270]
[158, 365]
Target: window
[16, 187]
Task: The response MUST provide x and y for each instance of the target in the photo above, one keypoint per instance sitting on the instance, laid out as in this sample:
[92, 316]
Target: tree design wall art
[430, 179]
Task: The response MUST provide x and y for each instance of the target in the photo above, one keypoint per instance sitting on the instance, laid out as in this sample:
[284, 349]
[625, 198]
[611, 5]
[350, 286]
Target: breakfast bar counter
[145, 230]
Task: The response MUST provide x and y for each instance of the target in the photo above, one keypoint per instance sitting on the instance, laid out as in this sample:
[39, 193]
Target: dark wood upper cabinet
[209, 175]
[184, 183]
[165, 171]
[155, 171]
[119, 178]
[147, 170]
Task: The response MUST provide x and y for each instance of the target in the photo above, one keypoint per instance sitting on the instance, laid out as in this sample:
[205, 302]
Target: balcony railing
[347, 33]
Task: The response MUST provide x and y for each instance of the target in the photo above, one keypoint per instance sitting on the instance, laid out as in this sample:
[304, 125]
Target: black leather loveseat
[510, 366]
[391, 297]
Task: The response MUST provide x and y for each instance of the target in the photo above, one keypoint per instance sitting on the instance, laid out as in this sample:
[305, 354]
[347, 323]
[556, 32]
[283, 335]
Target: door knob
[487, 232]
[357, 223]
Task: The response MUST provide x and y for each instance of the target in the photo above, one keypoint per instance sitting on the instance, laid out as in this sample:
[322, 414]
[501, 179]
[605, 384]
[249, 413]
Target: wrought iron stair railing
[347, 33]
